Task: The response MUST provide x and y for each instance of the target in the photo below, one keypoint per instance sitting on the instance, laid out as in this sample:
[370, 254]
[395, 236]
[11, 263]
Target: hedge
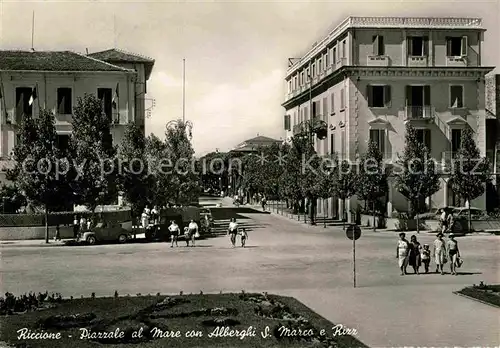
[61, 218]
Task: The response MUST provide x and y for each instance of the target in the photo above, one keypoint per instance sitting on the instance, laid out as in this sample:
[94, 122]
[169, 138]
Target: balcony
[419, 112]
[456, 61]
[417, 61]
[314, 126]
[378, 61]
[341, 62]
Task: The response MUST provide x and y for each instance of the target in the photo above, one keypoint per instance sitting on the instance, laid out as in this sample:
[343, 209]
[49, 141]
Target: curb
[476, 299]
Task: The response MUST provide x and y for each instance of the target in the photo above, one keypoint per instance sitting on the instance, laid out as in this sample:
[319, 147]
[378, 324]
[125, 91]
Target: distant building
[251, 145]
[493, 136]
[60, 77]
[371, 75]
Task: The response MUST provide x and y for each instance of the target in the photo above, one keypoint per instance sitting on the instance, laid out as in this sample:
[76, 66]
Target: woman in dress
[402, 253]
[453, 253]
[233, 231]
[414, 257]
[439, 253]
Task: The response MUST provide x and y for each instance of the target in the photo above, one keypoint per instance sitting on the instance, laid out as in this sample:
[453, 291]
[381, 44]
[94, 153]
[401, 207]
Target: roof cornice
[388, 23]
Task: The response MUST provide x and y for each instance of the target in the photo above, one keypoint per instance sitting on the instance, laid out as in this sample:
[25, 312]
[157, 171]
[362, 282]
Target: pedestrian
[58, 233]
[83, 224]
[443, 220]
[154, 215]
[232, 231]
[439, 253]
[450, 221]
[186, 235]
[244, 237]
[144, 219]
[263, 202]
[89, 224]
[414, 256]
[174, 233]
[426, 257]
[453, 253]
[193, 231]
[76, 226]
[402, 253]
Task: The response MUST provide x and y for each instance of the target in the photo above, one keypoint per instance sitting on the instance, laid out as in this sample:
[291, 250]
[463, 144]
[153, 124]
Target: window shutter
[332, 106]
[381, 145]
[427, 139]
[387, 96]
[325, 109]
[427, 95]
[409, 45]
[465, 46]
[369, 95]
[375, 45]
[342, 99]
[425, 43]
[448, 46]
[332, 143]
[409, 100]
[381, 46]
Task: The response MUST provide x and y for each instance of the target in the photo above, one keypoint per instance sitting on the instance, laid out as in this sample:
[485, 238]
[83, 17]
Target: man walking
[192, 232]
[174, 233]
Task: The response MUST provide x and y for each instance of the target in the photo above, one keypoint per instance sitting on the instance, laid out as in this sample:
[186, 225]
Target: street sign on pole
[353, 232]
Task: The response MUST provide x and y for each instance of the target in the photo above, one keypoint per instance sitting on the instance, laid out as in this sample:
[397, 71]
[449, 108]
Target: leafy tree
[12, 199]
[372, 178]
[41, 172]
[184, 182]
[291, 180]
[135, 183]
[416, 175]
[94, 153]
[470, 171]
[344, 181]
[158, 167]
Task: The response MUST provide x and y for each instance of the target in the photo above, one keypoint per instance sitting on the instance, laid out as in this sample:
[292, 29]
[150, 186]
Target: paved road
[310, 263]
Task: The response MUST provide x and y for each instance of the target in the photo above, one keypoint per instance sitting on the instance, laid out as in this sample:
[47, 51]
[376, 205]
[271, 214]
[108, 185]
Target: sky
[236, 52]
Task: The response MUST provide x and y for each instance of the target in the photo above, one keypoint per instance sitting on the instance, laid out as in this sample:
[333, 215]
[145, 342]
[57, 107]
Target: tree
[291, 180]
[416, 175]
[158, 170]
[135, 183]
[371, 182]
[184, 183]
[470, 171]
[344, 182]
[41, 173]
[94, 153]
[12, 199]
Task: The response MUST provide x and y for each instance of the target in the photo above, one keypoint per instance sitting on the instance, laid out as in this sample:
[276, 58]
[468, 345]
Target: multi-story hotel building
[118, 78]
[371, 75]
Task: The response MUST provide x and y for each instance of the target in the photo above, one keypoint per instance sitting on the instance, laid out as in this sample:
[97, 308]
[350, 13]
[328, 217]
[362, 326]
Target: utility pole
[33, 32]
[184, 90]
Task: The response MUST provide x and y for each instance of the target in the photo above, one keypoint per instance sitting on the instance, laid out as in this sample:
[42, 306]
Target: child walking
[426, 257]
[244, 236]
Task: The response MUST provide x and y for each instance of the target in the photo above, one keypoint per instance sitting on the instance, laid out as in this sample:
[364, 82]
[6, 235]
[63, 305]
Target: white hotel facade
[371, 75]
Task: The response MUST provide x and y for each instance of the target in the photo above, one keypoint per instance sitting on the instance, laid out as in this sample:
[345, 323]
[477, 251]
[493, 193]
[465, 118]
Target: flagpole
[184, 90]
[33, 32]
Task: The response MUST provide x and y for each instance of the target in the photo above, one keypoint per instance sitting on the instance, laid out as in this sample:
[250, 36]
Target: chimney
[86, 49]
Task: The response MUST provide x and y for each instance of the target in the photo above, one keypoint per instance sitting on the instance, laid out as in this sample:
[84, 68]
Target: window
[325, 110]
[23, 107]
[320, 65]
[308, 74]
[342, 99]
[417, 46]
[306, 113]
[456, 96]
[377, 136]
[62, 141]
[456, 46]
[424, 137]
[313, 70]
[64, 102]
[315, 109]
[379, 96]
[343, 49]
[378, 45]
[18, 139]
[456, 139]
[302, 78]
[295, 118]
[332, 104]
[327, 59]
[105, 96]
[334, 55]
[342, 144]
[332, 143]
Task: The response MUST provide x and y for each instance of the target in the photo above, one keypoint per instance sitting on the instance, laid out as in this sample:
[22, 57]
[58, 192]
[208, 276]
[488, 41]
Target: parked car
[460, 215]
[105, 232]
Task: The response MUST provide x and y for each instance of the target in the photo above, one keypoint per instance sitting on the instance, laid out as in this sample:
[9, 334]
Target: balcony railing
[378, 61]
[419, 112]
[456, 61]
[417, 61]
[341, 62]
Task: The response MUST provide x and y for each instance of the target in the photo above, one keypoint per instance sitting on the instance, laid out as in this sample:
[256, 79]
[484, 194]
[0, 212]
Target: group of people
[447, 220]
[413, 254]
[149, 216]
[233, 230]
[191, 232]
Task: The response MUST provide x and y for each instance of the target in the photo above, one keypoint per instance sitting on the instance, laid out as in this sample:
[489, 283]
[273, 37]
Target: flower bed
[484, 293]
[201, 314]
